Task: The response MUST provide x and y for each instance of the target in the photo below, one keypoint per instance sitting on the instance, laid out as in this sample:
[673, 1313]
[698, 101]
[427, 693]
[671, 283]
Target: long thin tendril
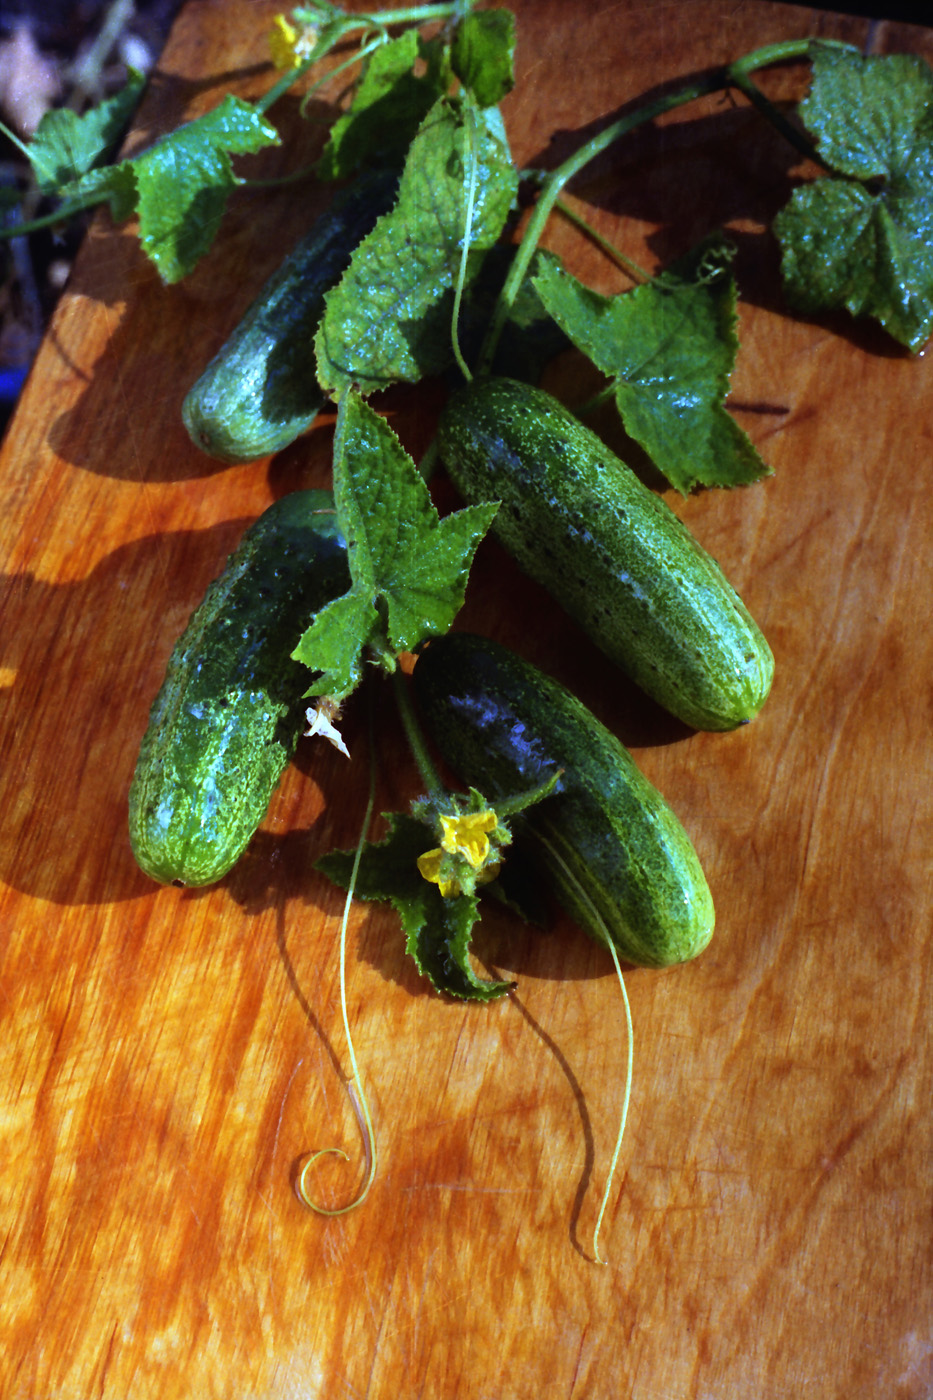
[598, 920]
[355, 1089]
[626, 1099]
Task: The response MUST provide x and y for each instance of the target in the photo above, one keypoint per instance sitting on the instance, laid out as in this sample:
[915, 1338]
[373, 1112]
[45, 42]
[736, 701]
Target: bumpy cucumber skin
[230, 711]
[616, 856]
[609, 550]
[259, 392]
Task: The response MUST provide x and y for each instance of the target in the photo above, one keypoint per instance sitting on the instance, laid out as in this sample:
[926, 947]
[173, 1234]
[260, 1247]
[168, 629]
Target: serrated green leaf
[409, 567]
[483, 54]
[669, 345]
[184, 180]
[868, 112]
[66, 145]
[866, 247]
[388, 320]
[334, 643]
[437, 930]
[388, 106]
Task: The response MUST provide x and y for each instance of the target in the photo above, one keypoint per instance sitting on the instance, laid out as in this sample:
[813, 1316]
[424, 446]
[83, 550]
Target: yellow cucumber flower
[468, 835]
[282, 44]
[470, 853]
[288, 46]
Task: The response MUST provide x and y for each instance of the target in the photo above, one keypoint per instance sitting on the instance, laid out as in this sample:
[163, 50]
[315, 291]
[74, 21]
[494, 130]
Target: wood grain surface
[166, 1057]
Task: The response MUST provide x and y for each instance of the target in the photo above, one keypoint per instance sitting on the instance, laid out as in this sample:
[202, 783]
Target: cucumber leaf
[388, 319]
[66, 145]
[183, 182]
[437, 930]
[178, 186]
[864, 241]
[669, 345]
[388, 106]
[483, 54]
[408, 566]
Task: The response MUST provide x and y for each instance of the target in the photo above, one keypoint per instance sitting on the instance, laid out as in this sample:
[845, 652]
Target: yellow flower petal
[282, 44]
[429, 865]
[467, 835]
[429, 868]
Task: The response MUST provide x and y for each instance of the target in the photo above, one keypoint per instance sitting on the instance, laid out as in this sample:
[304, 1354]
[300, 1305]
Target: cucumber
[260, 391]
[610, 551]
[607, 843]
[230, 710]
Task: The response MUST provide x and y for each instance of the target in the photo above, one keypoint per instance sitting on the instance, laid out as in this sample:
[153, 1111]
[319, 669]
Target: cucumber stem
[407, 14]
[556, 180]
[739, 71]
[58, 216]
[416, 740]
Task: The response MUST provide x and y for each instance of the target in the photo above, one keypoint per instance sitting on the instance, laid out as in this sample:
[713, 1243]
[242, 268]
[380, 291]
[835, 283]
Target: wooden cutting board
[166, 1057]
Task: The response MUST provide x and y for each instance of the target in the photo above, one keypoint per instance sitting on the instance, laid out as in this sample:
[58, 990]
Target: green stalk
[559, 177]
[286, 81]
[333, 33]
[408, 14]
[412, 14]
[416, 741]
[637, 274]
[739, 71]
[57, 216]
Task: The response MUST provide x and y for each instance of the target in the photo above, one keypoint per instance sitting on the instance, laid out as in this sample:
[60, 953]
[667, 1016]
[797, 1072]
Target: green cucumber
[260, 390]
[609, 550]
[230, 711]
[614, 853]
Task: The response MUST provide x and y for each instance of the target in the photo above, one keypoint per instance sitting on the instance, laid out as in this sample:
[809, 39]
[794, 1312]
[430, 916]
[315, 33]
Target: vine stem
[637, 274]
[416, 741]
[334, 32]
[407, 14]
[734, 74]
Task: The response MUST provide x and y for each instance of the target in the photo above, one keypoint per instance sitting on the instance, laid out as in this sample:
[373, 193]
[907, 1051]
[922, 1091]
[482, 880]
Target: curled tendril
[361, 1109]
[355, 1089]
